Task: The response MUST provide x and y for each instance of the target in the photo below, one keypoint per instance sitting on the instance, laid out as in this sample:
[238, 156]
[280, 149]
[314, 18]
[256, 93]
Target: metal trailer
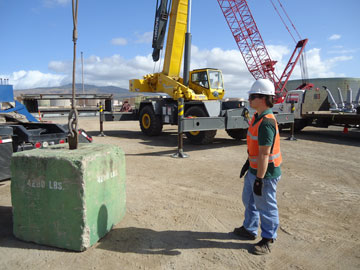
[17, 135]
[31, 102]
[6, 150]
[319, 108]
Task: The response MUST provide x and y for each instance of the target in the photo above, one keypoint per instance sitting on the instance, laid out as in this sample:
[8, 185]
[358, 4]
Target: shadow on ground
[6, 223]
[133, 240]
[7, 239]
[147, 241]
[167, 139]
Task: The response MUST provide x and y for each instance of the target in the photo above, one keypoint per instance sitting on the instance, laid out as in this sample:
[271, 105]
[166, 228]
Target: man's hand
[258, 186]
[244, 168]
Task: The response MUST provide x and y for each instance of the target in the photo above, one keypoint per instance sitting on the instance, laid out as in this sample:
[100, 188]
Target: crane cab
[208, 82]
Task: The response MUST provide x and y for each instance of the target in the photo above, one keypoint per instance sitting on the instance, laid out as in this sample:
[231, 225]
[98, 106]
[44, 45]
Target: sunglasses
[254, 96]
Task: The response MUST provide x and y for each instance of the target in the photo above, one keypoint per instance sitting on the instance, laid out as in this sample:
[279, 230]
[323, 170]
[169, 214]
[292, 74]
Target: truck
[202, 90]
[21, 131]
[318, 108]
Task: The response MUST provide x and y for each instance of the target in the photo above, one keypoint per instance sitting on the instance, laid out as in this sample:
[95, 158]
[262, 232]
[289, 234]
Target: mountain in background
[118, 92]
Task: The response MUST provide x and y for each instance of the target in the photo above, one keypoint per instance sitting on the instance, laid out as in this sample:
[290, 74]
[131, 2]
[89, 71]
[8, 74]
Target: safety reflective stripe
[5, 140]
[86, 136]
[255, 138]
[253, 159]
[271, 158]
[181, 110]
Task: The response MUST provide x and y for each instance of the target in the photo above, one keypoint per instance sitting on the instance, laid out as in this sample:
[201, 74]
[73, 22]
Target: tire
[237, 134]
[199, 137]
[150, 123]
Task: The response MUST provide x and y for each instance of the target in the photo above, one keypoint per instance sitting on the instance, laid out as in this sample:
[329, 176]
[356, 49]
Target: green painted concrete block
[67, 198]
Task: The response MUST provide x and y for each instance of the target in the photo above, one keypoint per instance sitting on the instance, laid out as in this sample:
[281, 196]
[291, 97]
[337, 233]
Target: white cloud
[116, 70]
[119, 41]
[334, 37]
[31, 79]
[113, 70]
[60, 66]
[343, 51]
[337, 59]
[320, 68]
[52, 3]
[144, 38]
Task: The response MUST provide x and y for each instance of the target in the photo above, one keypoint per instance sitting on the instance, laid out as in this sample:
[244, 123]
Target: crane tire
[199, 137]
[150, 123]
[237, 134]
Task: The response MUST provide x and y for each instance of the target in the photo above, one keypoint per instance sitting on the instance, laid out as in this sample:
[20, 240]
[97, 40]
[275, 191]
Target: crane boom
[252, 46]
[300, 46]
[176, 38]
[248, 38]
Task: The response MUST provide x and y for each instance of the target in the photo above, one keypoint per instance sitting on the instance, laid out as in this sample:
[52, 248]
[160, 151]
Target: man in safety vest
[263, 165]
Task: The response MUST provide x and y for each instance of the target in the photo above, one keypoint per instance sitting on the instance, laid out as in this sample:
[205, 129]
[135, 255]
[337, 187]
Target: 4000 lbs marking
[42, 184]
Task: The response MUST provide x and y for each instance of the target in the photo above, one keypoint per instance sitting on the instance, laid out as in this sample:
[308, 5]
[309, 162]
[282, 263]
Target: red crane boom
[252, 46]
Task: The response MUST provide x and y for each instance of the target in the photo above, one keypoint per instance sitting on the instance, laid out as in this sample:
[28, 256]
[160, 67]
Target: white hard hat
[262, 86]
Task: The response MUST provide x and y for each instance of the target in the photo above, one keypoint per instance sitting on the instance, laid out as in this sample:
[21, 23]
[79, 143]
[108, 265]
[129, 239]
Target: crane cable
[73, 115]
[289, 19]
[286, 26]
[303, 62]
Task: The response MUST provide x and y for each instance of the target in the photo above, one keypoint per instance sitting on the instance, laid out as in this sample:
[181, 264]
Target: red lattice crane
[252, 46]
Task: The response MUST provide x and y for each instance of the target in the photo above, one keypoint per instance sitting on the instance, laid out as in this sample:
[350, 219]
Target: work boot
[263, 247]
[244, 233]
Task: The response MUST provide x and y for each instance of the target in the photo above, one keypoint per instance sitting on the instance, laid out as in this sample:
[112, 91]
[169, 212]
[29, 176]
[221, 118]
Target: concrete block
[67, 198]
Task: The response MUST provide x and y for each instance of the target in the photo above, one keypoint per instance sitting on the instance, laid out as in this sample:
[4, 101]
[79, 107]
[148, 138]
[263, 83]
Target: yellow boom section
[176, 38]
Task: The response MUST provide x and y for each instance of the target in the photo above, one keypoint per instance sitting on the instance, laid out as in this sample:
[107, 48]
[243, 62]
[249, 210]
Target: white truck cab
[295, 97]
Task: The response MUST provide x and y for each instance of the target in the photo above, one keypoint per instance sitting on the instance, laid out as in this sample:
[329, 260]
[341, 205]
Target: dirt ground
[180, 211]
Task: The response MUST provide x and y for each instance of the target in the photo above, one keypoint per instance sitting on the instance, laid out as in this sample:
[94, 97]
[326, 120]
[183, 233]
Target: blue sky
[115, 37]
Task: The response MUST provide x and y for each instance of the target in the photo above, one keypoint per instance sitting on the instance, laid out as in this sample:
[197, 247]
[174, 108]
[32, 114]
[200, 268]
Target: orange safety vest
[253, 144]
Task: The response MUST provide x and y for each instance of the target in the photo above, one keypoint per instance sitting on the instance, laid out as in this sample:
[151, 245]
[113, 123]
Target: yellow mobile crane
[202, 90]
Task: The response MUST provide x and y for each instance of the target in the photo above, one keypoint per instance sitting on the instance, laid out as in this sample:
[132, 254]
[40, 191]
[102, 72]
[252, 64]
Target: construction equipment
[319, 108]
[253, 49]
[202, 89]
[20, 130]
[205, 84]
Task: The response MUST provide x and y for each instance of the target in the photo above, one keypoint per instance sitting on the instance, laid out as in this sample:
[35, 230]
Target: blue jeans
[264, 206]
